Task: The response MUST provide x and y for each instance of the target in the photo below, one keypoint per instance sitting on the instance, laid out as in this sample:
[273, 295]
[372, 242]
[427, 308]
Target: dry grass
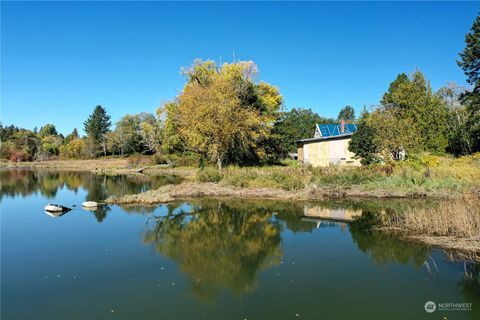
[456, 218]
[92, 164]
[287, 178]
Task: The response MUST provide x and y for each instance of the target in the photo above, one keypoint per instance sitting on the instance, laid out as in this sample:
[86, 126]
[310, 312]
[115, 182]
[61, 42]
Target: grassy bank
[426, 176]
[417, 177]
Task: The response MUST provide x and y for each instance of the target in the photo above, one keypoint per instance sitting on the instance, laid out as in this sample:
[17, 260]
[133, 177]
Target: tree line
[224, 115]
[412, 118]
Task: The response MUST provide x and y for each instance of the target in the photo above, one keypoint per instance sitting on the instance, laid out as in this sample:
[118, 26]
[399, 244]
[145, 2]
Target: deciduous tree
[294, 125]
[223, 114]
[362, 143]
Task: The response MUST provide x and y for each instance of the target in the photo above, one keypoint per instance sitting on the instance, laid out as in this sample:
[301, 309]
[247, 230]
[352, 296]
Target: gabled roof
[332, 130]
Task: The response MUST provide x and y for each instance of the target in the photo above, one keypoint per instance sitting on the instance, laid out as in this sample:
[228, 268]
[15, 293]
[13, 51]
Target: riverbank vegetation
[453, 225]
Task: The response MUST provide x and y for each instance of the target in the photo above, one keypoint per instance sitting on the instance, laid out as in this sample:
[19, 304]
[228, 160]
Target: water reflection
[47, 183]
[233, 246]
[223, 244]
[24, 182]
[217, 246]
[384, 248]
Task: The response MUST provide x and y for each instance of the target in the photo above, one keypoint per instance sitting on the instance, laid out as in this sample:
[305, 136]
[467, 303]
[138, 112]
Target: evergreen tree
[72, 136]
[470, 63]
[470, 56]
[415, 97]
[96, 126]
[347, 114]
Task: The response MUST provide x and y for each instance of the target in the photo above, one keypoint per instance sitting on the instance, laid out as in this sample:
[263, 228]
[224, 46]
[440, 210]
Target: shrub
[208, 174]
[139, 161]
[186, 159]
[19, 156]
[160, 159]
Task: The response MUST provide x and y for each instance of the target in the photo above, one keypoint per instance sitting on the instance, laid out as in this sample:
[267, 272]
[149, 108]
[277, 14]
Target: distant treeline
[224, 115]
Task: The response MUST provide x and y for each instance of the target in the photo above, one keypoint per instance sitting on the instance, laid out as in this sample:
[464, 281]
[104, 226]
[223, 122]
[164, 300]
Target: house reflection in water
[336, 214]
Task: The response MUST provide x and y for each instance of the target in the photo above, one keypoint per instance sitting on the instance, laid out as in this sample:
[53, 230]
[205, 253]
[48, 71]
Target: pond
[211, 259]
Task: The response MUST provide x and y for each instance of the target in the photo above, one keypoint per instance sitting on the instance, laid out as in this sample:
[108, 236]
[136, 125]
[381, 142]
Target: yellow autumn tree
[223, 114]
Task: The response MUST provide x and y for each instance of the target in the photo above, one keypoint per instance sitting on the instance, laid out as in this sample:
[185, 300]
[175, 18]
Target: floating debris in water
[58, 276]
[74, 277]
[297, 315]
[173, 283]
[162, 268]
[112, 311]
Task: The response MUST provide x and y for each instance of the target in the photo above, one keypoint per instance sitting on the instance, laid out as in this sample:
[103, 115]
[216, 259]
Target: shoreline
[120, 166]
[455, 247]
[194, 190]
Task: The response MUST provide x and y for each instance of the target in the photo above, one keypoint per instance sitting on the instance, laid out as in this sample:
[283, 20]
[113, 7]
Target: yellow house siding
[327, 152]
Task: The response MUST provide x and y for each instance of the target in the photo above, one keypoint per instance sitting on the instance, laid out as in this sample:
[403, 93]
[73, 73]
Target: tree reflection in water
[218, 246]
[24, 182]
[384, 248]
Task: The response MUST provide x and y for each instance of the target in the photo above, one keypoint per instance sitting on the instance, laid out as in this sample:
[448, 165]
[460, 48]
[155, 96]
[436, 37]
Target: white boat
[54, 214]
[90, 204]
[56, 208]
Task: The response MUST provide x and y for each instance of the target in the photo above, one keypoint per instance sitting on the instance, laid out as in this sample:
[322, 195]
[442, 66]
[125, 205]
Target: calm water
[209, 259]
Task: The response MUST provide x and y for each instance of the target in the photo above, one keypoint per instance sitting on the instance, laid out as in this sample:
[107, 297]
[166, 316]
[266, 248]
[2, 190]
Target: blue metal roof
[331, 130]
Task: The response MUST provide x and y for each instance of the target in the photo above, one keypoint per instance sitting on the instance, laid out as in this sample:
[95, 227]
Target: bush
[186, 159]
[160, 159]
[139, 161]
[208, 174]
[19, 156]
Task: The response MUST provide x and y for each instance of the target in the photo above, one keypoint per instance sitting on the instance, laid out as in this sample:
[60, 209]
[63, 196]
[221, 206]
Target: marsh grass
[208, 174]
[455, 218]
[287, 178]
[425, 174]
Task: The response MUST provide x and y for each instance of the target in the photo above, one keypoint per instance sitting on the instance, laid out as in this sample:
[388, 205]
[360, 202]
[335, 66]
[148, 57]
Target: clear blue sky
[60, 59]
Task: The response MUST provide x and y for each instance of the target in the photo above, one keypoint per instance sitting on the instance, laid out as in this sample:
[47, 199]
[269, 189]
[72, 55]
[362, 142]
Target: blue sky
[60, 59]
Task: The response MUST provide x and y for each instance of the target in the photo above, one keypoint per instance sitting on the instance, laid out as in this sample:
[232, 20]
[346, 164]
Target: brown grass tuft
[455, 218]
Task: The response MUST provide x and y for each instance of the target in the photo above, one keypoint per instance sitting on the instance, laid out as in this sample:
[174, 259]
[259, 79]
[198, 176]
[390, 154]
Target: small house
[329, 146]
